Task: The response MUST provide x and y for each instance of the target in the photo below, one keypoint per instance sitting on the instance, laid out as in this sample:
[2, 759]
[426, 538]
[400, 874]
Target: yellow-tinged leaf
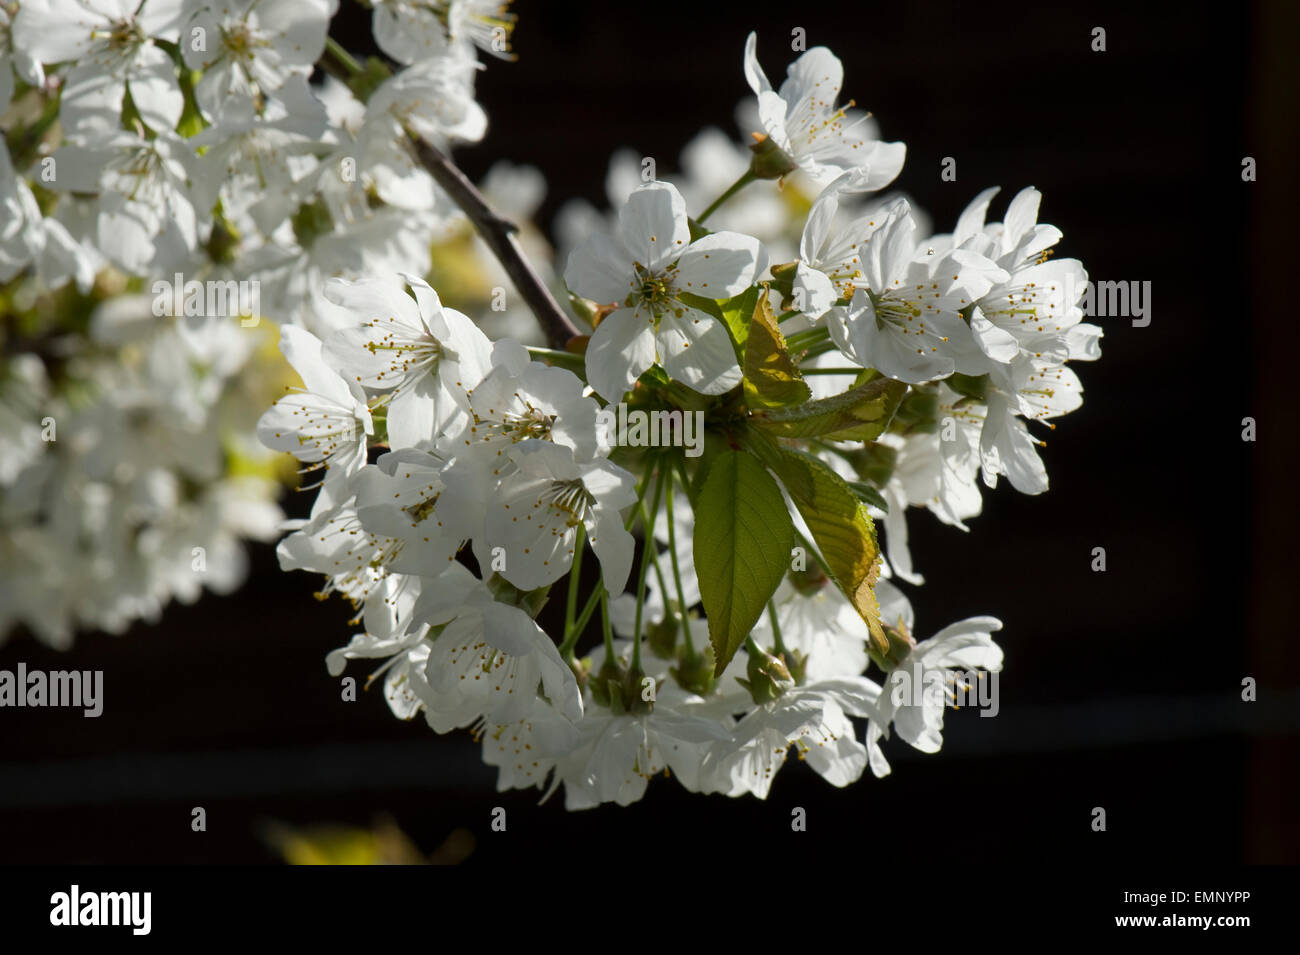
[771, 378]
[841, 527]
[859, 414]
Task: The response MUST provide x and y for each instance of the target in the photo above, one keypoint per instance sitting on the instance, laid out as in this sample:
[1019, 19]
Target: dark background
[1121, 689]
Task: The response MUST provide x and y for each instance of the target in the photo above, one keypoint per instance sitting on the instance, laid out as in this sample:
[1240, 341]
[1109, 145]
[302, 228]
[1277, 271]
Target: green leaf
[869, 495]
[743, 538]
[737, 313]
[697, 469]
[859, 414]
[771, 378]
[839, 522]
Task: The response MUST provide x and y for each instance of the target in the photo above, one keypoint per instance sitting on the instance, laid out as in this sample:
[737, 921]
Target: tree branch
[499, 234]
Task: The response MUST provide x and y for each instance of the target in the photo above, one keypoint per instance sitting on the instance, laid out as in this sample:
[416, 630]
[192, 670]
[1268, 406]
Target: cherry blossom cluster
[708, 611]
[151, 147]
[464, 478]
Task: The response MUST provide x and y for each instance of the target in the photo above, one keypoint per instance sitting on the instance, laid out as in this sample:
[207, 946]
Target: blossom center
[533, 423]
[239, 42]
[122, 35]
[570, 498]
[654, 290]
[899, 312]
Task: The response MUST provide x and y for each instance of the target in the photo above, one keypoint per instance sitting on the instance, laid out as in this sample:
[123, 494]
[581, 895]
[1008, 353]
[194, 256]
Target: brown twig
[499, 234]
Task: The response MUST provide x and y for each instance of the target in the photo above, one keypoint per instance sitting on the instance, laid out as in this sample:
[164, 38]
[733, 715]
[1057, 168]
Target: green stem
[575, 572]
[734, 188]
[654, 553]
[777, 642]
[555, 356]
[677, 572]
[816, 350]
[606, 630]
[648, 547]
[584, 618]
[571, 635]
[806, 339]
[342, 57]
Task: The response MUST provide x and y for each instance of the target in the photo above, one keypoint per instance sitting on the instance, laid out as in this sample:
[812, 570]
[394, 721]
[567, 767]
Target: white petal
[720, 265]
[696, 349]
[772, 113]
[155, 90]
[814, 293]
[600, 270]
[614, 546]
[882, 162]
[1022, 213]
[413, 416]
[753, 71]
[55, 31]
[1084, 342]
[303, 351]
[971, 220]
[998, 345]
[621, 349]
[817, 76]
[92, 100]
[653, 226]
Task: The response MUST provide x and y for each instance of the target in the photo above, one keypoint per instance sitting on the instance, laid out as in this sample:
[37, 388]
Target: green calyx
[530, 602]
[901, 645]
[769, 161]
[766, 676]
[694, 671]
[625, 690]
